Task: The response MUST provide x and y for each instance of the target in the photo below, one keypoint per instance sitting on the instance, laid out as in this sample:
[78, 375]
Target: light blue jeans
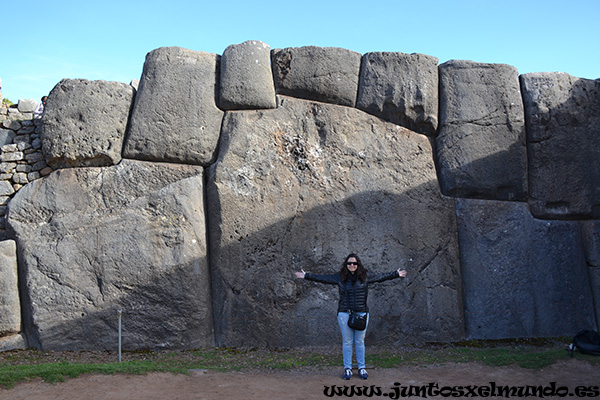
[351, 337]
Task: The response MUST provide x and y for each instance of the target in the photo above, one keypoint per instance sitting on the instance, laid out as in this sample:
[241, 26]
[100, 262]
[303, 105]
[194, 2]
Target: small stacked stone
[21, 159]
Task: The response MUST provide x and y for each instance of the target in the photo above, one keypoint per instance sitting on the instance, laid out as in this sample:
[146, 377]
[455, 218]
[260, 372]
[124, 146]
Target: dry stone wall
[190, 203]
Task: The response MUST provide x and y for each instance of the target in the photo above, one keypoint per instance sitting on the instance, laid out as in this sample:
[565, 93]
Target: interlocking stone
[175, 117]
[563, 127]
[481, 142]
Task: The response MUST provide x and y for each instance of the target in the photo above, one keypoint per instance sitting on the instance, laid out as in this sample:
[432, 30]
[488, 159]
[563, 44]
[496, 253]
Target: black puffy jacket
[348, 290]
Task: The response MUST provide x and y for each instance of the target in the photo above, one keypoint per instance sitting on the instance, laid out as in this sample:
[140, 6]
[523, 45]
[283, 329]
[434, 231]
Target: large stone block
[522, 277]
[590, 232]
[327, 74]
[96, 240]
[85, 122]
[10, 305]
[246, 77]
[175, 117]
[400, 88]
[481, 142]
[301, 186]
[563, 125]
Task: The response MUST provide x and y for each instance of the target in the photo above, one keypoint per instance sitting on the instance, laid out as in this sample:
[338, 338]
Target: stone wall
[21, 158]
[190, 203]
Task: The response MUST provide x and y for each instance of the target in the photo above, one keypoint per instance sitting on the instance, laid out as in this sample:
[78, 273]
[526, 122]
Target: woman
[353, 284]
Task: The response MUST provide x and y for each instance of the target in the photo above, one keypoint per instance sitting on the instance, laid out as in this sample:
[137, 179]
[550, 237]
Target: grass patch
[17, 366]
[57, 372]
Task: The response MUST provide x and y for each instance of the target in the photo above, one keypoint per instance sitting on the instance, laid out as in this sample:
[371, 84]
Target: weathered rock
[6, 136]
[175, 117]
[6, 188]
[10, 305]
[303, 185]
[481, 142]
[130, 237]
[522, 277]
[400, 88]
[246, 77]
[13, 342]
[563, 125]
[590, 232]
[327, 74]
[85, 122]
[26, 105]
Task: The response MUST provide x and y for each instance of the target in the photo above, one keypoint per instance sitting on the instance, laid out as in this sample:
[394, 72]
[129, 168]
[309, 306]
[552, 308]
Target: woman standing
[353, 283]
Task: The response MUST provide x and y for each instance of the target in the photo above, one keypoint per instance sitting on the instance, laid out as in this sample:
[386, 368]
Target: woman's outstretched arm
[300, 275]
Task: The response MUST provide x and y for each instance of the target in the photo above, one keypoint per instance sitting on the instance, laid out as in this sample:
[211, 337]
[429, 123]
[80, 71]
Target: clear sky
[44, 42]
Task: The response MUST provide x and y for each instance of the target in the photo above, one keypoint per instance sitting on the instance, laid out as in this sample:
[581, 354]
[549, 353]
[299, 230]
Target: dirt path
[305, 385]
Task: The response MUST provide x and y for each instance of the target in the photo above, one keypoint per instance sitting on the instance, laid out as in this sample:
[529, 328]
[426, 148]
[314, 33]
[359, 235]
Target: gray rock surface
[6, 136]
[130, 237]
[327, 74]
[302, 186]
[400, 88]
[175, 117]
[563, 125]
[10, 305]
[13, 342]
[246, 77]
[590, 232]
[522, 277]
[85, 122]
[26, 105]
[481, 142]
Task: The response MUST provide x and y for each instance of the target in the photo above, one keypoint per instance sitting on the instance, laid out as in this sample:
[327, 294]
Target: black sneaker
[363, 373]
[347, 373]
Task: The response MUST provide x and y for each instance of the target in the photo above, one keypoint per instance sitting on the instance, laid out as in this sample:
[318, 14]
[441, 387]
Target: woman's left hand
[401, 273]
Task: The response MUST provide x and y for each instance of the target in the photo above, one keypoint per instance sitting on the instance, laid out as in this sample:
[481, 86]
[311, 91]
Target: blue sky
[44, 42]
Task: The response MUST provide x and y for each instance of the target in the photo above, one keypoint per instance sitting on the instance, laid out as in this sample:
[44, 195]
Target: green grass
[21, 366]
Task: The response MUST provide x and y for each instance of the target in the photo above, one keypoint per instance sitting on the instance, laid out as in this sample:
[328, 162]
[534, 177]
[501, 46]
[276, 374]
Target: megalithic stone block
[481, 141]
[85, 122]
[326, 74]
[10, 304]
[400, 88]
[246, 77]
[175, 117]
[563, 130]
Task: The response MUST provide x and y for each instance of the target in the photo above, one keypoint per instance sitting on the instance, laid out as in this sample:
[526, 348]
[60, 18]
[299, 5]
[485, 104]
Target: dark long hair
[361, 271]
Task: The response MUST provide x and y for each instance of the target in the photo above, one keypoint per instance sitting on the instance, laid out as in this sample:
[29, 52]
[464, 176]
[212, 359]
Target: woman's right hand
[300, 275]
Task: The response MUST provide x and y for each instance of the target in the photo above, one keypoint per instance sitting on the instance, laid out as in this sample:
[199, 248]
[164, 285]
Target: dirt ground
[569, 375]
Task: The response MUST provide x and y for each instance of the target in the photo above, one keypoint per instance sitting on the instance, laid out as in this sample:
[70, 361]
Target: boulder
[563, 125]
[10, 305]
[481, 142]
[300, 187]
[400, 88]
[129, 237]
[522, 277]
[246, 77]
[327, 74]
[175, 117]
[84, 123]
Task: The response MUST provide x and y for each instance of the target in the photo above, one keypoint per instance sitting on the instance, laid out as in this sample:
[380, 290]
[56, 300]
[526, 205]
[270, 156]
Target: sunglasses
[351, 263]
